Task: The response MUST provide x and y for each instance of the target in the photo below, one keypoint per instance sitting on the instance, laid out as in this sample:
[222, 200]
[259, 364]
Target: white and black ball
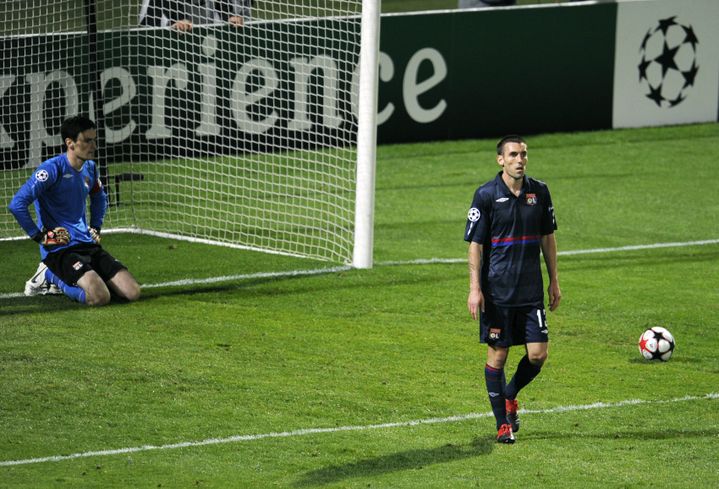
[657, 343]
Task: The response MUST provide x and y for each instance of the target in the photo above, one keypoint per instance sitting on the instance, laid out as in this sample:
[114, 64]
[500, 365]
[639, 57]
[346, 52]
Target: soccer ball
[656, 343]
[668, 66]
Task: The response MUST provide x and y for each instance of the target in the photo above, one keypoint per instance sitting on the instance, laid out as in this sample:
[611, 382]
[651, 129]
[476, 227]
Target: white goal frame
[367, 136]
[349, 230]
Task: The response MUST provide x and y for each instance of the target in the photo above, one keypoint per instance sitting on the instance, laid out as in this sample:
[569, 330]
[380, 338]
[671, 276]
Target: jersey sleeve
[549, 222]
[477, 225]
[42, 179]
[98, 202]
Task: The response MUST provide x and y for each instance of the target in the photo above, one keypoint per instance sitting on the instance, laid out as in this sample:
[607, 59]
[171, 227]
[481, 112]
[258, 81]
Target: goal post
[257, 133]
[366, 135]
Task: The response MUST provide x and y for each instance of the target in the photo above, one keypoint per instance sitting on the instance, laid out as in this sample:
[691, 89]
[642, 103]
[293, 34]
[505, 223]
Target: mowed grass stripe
[420, 261]
[316, 431]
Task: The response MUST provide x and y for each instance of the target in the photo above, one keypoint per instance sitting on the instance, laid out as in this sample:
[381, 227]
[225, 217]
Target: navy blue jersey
[60, 195]
[510, 229]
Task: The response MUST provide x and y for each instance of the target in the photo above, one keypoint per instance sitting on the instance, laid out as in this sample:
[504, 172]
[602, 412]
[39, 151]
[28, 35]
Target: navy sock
[75, 293]
[494, 377]
[526, 372]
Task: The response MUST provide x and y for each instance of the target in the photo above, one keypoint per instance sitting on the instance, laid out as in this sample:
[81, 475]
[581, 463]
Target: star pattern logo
[668, 65]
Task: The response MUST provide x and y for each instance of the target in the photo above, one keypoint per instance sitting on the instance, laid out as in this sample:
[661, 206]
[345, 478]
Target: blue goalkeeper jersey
[510, 230]
[60, 194]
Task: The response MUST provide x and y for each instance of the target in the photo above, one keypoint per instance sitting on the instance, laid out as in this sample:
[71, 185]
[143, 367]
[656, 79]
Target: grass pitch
[373, 378]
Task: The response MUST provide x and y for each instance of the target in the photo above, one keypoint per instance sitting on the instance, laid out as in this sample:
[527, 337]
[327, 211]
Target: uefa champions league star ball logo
[41, 175]
[669, 62]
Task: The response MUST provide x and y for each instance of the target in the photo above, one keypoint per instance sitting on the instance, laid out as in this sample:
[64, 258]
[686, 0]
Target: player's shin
[494, 378]
[73, 292]
[526, 372]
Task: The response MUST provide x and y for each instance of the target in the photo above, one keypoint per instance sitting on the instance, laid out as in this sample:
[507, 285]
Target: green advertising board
[275, 85]
[492, 72]
[213, 90]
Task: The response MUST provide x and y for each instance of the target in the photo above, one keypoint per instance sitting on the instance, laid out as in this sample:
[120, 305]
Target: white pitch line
[227, 278]
[421, 261]
[432, 261]
[316, 431]
[232, 278]
[641, 247]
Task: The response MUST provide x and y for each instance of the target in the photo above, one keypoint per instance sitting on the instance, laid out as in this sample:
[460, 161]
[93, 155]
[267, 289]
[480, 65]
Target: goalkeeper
[72, 258]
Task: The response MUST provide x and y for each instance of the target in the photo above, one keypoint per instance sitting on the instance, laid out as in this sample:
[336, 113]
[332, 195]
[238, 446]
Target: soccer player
[510, 220]
[70, 250]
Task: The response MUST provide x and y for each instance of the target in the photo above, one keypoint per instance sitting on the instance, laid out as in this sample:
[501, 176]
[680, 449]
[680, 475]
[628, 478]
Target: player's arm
[41, 179]
[18, 207]
[549, 251]
[475, 300]
[98, 207]
[475, 232]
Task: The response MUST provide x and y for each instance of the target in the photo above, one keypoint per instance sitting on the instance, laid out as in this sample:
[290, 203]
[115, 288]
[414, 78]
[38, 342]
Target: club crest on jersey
[41, 175]
[473, 215]
[531, 199]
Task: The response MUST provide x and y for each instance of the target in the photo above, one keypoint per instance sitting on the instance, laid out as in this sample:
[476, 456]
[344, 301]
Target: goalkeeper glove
[53, 237]
[95, 234]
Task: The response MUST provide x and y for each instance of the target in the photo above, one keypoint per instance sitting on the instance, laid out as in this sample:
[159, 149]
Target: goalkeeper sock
[494, 378]
[75, 293]
[526, 372]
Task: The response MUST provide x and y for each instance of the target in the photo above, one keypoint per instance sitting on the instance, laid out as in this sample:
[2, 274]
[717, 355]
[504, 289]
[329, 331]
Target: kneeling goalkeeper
[72, 258]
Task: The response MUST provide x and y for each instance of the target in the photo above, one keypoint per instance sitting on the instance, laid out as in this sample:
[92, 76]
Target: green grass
[391, 344]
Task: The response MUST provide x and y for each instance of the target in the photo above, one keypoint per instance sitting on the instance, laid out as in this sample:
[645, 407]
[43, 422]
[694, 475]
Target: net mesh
[229, 121]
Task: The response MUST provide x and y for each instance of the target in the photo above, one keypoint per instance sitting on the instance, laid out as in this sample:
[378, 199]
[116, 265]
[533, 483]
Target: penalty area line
[338, 429]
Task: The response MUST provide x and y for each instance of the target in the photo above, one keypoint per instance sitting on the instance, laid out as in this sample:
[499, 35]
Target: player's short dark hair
[74, 125]
[512, 138]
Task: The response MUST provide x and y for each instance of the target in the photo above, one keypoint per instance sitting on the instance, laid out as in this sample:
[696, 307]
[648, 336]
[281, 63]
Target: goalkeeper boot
[505, 435]
[53, 289]
[38, 284]
[511, 406]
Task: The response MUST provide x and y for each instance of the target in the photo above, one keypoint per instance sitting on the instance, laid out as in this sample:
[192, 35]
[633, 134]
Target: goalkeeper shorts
[72, 263]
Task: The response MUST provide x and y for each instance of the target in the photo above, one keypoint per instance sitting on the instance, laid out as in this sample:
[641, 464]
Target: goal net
[232, 122]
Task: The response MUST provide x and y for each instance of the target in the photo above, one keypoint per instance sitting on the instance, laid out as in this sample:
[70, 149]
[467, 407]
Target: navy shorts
[72, 263]
[508, 326]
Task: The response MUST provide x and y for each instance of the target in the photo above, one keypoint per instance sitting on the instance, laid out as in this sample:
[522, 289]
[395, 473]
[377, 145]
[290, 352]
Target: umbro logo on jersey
[502, 199]
[67, 175]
